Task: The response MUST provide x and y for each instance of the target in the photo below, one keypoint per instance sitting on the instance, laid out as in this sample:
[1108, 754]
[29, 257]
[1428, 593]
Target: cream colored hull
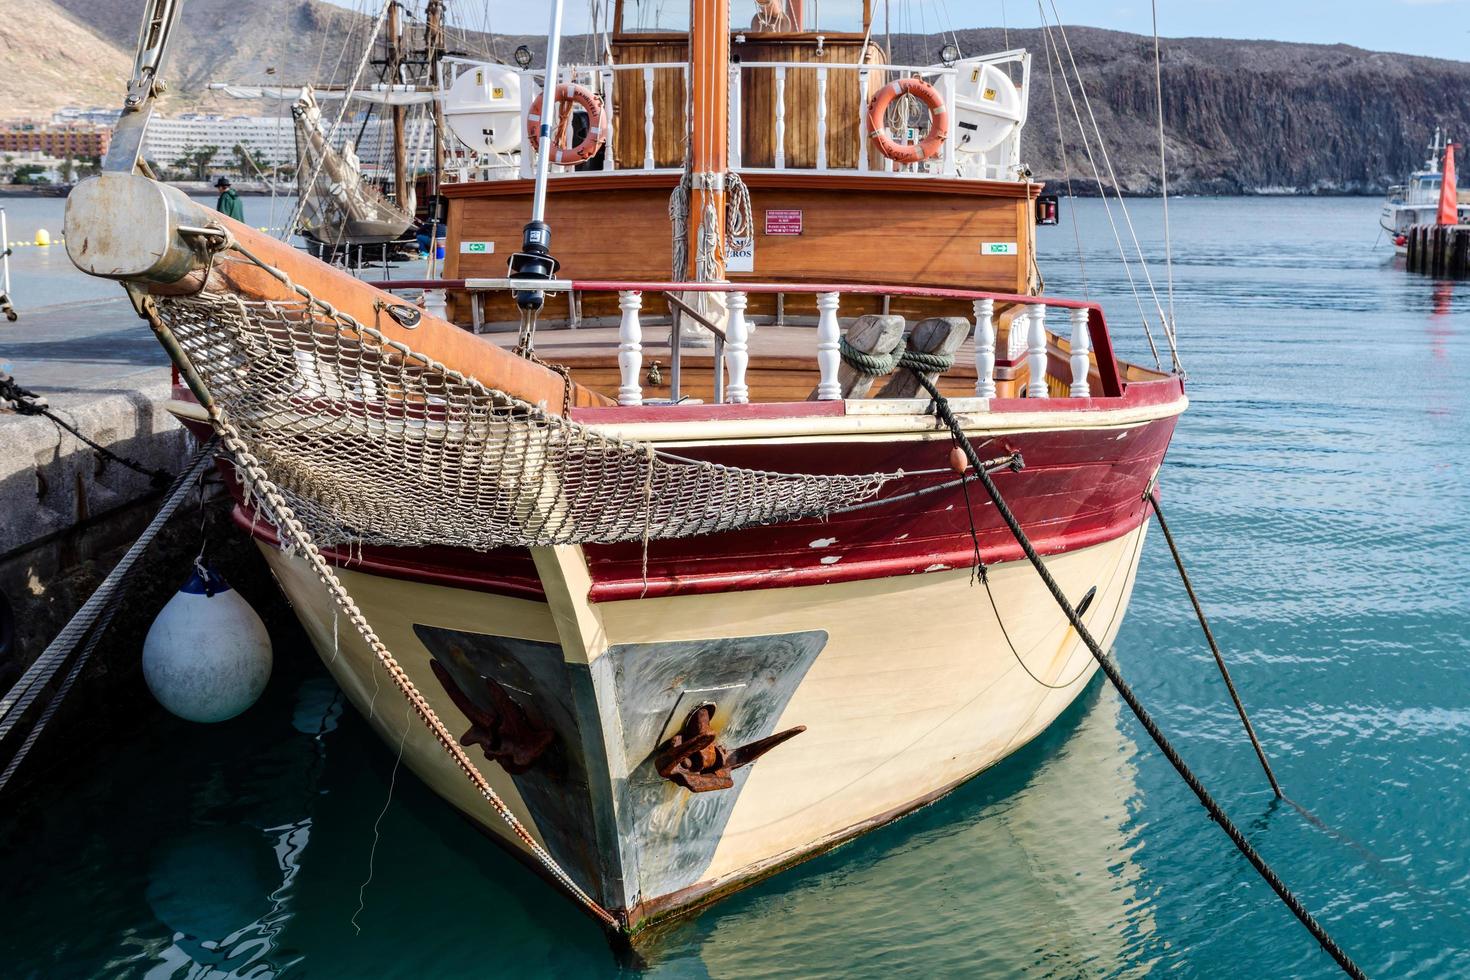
[911, 688]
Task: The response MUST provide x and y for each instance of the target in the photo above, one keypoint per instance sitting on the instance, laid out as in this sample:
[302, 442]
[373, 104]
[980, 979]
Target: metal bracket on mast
[126, 150]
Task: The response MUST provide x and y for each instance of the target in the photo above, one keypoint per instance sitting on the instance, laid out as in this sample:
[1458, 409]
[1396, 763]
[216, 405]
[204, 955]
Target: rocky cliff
[1239, 116]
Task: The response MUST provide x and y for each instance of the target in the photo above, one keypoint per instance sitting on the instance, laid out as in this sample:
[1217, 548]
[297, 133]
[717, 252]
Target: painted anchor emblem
[503, 732]
[693, 758]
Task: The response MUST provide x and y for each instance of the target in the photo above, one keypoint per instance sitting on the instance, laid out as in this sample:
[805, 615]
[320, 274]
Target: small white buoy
[43, 237]
[207, 656]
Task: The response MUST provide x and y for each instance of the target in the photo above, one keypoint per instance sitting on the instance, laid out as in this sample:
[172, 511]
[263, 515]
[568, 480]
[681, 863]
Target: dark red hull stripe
[1079, 487]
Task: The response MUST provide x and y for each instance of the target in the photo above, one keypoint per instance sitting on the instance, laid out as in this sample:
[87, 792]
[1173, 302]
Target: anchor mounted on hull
[504, 732]
[693, 758]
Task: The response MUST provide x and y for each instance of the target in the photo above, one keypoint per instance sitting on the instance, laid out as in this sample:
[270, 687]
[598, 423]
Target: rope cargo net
[372, 443]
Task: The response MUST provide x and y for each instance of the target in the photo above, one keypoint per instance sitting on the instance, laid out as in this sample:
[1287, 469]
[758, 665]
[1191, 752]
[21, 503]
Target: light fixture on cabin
[949, 54]
[523, 56]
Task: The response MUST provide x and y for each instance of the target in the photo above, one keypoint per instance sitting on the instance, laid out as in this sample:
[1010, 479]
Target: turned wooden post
[1036, 352]
[630, 348]
[985, 348]
[1081, 344]
[737, 353]
[829, 334]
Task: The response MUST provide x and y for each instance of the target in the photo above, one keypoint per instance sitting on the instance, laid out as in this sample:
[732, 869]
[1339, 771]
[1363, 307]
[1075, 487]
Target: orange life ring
[568, 95]
[927, 148]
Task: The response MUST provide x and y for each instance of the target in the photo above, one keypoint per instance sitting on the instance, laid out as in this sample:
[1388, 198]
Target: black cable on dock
[1216, 812]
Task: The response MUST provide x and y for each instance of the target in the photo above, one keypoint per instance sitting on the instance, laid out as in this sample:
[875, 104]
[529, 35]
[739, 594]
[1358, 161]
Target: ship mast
[394, 73]
[709, 47]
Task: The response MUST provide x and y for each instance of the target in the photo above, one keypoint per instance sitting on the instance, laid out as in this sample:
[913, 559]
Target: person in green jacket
[229, 202]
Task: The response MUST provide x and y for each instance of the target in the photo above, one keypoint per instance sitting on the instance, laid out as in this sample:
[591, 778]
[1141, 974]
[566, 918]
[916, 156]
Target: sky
[1438, 28]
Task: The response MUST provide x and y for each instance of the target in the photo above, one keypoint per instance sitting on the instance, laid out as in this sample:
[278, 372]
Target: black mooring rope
[1216, 812]
[1199, 613]
[23, 401]
[15, 702]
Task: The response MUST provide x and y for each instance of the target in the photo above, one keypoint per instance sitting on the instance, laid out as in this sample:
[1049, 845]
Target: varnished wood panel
[875, 230]
[844, 104]
[845, 128]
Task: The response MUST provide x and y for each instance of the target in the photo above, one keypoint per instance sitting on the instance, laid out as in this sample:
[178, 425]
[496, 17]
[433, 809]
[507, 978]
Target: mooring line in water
[1367, 857]
[93, 616]
[1216, 812]
[1153, 498]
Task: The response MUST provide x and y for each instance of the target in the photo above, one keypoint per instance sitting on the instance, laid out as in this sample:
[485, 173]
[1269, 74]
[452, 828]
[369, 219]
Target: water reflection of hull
[1045, 838]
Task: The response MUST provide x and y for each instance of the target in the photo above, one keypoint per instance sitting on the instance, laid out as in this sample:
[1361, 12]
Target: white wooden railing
[1029, 342]
[1000, 163]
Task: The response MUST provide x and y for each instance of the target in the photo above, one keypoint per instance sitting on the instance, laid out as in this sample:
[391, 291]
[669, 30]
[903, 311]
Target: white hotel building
[169, 139]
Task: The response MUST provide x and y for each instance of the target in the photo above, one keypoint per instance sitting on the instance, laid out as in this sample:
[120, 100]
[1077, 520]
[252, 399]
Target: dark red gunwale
[1076, 490]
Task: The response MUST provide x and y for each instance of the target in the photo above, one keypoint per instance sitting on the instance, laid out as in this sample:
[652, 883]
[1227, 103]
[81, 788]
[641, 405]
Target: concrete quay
[66, 512]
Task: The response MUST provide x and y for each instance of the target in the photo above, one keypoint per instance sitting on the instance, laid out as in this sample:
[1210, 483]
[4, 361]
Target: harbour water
[1320, 489]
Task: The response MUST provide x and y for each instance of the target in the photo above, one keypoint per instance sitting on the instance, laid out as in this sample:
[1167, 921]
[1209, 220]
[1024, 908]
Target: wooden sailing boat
[684, 615]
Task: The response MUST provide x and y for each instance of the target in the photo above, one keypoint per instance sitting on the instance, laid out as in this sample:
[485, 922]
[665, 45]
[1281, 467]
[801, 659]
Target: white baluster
[737, 353]
[864, 78]
[829, 334]
[780, 163]
[821, 119]
[1036, 352]
[630, 348]
[609, 109]
[1081, 344]
[1016, 336]
[648, 119]
[736, 124]
[984, 348]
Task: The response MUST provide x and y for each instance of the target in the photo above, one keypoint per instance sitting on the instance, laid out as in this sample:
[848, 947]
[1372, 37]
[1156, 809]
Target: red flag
[1449, 210]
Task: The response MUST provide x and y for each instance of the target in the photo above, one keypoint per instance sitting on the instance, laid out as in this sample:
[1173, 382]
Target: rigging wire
[1170, 324]
[1117, 190]
[304, 188]
[1054, 51]
[1056, 105]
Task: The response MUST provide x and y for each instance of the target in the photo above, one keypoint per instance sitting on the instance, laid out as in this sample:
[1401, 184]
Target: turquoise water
[1319, 488]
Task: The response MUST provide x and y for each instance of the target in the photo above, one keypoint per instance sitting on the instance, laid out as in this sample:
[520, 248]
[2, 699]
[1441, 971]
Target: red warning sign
[785, 222]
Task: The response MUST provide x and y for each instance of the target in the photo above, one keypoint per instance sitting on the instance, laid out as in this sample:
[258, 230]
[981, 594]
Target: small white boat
[1416, 201]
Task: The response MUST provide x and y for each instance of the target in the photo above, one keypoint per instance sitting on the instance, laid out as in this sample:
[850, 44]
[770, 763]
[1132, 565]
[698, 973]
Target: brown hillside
[49, 59]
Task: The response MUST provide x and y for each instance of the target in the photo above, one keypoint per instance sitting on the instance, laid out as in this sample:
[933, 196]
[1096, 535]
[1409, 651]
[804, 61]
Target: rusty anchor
[693, 758]
[504, 732]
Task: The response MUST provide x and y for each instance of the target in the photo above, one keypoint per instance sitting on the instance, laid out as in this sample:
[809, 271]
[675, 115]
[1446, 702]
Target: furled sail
[337, 206]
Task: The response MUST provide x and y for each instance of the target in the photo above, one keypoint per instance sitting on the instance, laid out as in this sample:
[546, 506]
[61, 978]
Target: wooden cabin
[826, 205]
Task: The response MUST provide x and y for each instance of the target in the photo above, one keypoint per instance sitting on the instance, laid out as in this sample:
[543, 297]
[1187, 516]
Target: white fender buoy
[207, 656]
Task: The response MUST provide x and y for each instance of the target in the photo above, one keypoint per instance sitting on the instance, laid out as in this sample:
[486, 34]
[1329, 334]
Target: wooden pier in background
[1440, 250]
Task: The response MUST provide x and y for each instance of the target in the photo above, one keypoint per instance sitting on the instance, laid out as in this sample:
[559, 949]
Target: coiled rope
[1216, 812]
[877, 365]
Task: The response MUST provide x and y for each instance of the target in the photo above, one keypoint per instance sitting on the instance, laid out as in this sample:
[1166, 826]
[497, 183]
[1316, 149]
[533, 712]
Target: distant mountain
[48, 59]
[1240, 116]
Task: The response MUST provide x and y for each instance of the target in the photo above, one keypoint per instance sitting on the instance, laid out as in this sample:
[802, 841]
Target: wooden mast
[709, 47]
[395, 61]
